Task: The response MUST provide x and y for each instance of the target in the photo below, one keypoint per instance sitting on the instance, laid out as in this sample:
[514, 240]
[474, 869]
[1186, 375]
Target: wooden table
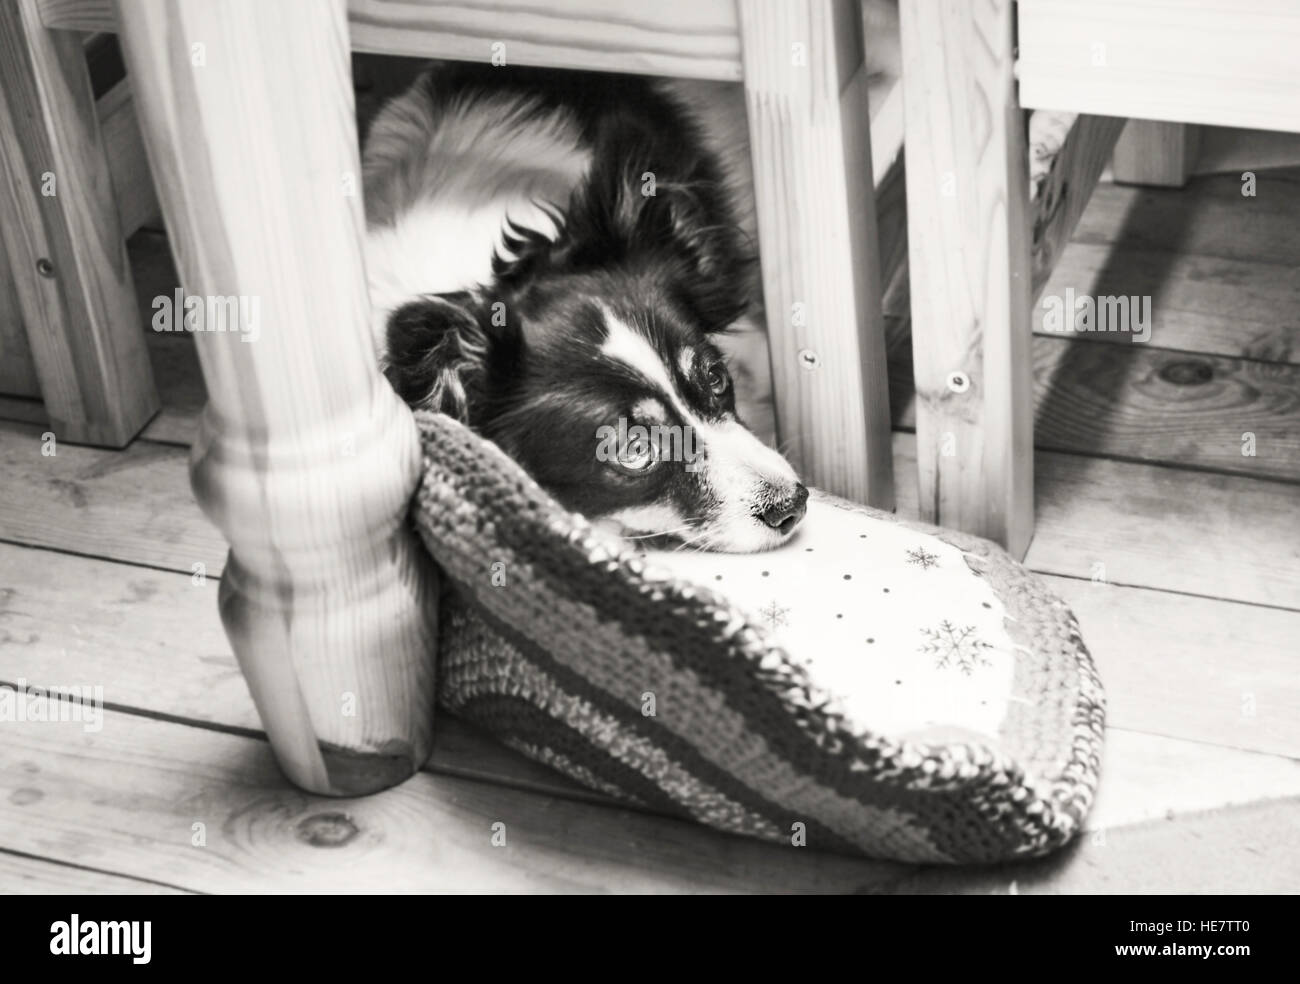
[980, 249]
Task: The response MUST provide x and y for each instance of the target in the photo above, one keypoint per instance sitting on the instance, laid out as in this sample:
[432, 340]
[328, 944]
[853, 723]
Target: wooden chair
[70, 329]
[981, 246]
[306, 459]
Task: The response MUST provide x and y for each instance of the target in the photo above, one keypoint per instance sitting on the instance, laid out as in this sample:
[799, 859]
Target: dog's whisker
[649, 536]
[686, 543]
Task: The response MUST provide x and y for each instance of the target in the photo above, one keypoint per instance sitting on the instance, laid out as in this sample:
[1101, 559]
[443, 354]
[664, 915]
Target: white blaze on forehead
[628, 346]
[731, 446]
[686, 361]
[738, 467]
[650, 409]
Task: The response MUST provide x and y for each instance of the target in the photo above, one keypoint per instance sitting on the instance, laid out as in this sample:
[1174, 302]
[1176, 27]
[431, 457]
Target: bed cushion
[876, 686]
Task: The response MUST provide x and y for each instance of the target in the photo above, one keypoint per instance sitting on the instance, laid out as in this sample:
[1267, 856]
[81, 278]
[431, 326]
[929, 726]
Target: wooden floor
[1180, 556]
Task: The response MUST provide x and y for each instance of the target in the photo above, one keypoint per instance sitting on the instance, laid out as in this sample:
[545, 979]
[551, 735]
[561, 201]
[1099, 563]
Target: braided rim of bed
[550, 637]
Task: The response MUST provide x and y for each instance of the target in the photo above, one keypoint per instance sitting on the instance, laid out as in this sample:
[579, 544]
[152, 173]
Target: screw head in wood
[809, 359]
[958, 382]
[45, 268]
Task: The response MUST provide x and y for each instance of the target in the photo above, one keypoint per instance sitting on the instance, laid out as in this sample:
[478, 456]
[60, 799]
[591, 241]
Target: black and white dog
[552, 257]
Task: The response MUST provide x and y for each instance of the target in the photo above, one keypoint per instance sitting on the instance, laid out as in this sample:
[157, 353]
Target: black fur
[520, 360]
[684, 232]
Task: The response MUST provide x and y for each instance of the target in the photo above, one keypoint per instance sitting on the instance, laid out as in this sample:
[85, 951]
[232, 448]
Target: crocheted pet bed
[874, 686]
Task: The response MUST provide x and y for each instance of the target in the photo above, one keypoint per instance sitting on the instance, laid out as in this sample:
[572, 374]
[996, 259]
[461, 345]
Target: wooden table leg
[306, 458]
[810, 130]
[969, 261]
[1150, 152]
[60, 233]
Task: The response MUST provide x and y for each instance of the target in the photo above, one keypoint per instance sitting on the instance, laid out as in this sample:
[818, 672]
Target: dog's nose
[784, 514]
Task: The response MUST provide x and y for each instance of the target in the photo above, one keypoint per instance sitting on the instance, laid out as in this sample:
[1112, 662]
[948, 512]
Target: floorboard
[153, 641]
[1234, 308]
[1221, 536]
[149, 783]
[1146, 777]
[1142, 403]
[1209, 218]
[1221, 852]
[22, 875]
[208, 811]
[1186, 667]
[133, 505]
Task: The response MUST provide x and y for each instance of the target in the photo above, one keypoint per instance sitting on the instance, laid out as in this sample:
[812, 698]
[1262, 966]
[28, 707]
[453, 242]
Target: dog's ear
[719, 259]
[692, 219]
[625, 208]
[441, 349]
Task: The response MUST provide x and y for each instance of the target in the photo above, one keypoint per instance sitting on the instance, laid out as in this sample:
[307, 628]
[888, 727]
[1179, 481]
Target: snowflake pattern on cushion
[897, 625]
[952, 646]
[922, 558]
[774, 615]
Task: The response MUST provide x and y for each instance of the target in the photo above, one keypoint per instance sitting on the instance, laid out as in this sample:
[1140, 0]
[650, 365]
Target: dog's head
[590, 361]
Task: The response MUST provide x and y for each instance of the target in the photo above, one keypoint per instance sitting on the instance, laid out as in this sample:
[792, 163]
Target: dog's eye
[718, 379]
[637, 456]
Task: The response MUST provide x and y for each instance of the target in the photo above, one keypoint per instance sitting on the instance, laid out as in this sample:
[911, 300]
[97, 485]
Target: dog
[554, 258]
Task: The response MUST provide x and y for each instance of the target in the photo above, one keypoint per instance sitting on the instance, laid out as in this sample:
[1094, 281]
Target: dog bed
[874, 686]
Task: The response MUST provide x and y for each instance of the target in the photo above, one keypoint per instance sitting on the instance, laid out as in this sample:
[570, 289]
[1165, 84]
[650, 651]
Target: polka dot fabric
[875, 687]
[894, 621]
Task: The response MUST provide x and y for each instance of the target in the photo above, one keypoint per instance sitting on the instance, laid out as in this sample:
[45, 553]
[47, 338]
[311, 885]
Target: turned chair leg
[306, 458]
[969, 262]
[62, 239]
[810, 130]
